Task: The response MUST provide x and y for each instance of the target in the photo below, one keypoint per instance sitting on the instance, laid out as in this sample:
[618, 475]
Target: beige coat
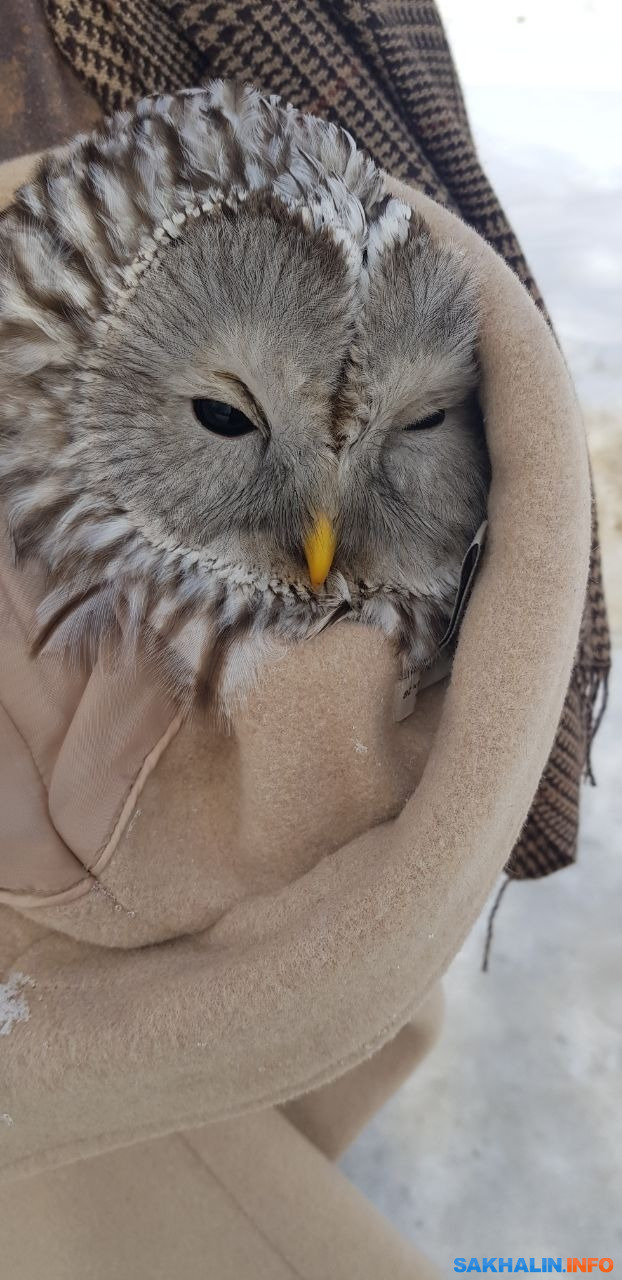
[311, 875]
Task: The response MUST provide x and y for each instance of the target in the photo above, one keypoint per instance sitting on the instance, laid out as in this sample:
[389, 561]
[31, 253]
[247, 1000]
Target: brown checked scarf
[384, 70]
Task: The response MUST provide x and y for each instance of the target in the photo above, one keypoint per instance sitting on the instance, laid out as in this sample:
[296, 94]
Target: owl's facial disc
[256, 404]
[261, 410]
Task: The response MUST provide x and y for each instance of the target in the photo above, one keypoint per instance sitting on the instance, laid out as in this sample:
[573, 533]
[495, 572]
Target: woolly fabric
[384, 70]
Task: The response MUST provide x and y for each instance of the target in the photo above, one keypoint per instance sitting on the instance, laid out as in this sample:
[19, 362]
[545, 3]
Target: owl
[238, 393]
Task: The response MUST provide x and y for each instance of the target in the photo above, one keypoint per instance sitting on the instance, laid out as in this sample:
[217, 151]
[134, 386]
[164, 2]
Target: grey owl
[237, 391]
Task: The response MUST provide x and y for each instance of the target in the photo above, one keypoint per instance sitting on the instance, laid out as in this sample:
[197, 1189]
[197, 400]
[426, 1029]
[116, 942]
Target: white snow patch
[546, 110]
[13, 1005]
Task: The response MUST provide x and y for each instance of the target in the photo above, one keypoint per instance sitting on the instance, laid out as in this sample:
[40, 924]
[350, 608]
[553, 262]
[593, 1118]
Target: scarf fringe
[491, 923]
[595, 693]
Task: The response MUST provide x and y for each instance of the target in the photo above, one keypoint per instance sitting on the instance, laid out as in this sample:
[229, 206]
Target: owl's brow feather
[244, 392]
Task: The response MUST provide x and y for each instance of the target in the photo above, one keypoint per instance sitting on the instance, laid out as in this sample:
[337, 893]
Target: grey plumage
[217, 245]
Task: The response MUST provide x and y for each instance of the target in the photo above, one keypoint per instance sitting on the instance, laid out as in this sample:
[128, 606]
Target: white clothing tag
[405, 695]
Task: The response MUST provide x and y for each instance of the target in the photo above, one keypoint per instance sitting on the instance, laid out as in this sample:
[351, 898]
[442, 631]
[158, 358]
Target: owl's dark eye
[222, 418]
[432, 420]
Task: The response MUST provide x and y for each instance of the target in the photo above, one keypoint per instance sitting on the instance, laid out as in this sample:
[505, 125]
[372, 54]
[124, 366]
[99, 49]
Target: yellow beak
[319, 548]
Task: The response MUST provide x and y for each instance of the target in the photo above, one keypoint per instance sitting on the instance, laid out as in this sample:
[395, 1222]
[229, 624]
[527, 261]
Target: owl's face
[261, 403]
[237, 390]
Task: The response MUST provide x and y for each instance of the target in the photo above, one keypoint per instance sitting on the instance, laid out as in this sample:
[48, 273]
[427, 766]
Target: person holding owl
[256, 402]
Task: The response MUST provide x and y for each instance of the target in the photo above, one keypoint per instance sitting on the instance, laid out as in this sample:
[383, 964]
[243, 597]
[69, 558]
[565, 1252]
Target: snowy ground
[508, 1139]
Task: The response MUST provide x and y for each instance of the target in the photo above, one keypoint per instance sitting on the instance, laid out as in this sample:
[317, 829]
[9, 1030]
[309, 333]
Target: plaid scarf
[384, 70]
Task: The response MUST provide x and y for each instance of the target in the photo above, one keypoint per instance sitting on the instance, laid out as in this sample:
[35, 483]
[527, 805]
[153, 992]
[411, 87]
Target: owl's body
[236, 391]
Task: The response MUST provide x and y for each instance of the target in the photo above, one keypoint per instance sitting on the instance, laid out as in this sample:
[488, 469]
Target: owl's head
[239, 385]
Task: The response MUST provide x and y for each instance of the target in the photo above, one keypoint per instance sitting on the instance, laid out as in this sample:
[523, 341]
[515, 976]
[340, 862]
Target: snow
[546, 112]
